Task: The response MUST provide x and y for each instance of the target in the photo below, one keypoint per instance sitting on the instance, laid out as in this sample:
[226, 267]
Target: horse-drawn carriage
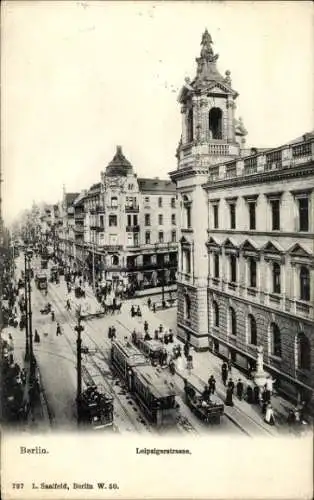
[209, 410]
[96, 408]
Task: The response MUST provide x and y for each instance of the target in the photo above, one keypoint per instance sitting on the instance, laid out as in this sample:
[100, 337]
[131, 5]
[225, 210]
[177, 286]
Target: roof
[119, 165]
[156, 185]
[158, 385]
[70, 197]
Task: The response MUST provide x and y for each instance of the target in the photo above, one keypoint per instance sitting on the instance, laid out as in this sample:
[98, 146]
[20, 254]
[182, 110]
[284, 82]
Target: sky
[79, 78]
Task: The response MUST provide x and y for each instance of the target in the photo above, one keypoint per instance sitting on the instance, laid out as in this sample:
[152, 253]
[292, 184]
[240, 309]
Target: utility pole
[26, 308]
[30, 328]
[79, 328]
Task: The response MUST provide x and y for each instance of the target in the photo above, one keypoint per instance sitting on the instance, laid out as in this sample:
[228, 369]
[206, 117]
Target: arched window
[190, 125]
[304, 283]
[114, 201]
[276, 277]
[304, 352]
[215, 314]
[187, 212]
[252, 330]
[215, 123]
[275, 340]
[232, 321]
[115, 260]
[187, 306]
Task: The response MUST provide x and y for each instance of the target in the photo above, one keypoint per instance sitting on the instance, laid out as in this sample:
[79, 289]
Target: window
[233, 268]
[173, 236]
[114, 201]
[276, 277]
[147, 237]
[215, 314]
[173, 203]
[188, 217]
[160, 219]
[135, 221]
[187, 306]
[136, 240]
[303, 214]
[252, 215]
[161, 237]
[232, 322]
[303, 352]
[160, 202]
[190, 125]
[252, 330]
[129, 220]
[215, 123]
[186, 261]
[146, 199]
[275, 340]
[232, 209]
[216, 222]
[115, 260]
[275, 211]
[147, 219]
[216, 265]
[304, 283]
[252, 269]
[112, 220]
[130, 187]
[173, 219]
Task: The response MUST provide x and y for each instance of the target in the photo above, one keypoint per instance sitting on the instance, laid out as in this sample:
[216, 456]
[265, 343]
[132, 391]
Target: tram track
[140, 424]
[183, 424]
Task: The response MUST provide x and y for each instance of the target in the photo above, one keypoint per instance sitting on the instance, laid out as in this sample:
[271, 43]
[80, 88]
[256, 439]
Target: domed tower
[210, 135]
[119, 165]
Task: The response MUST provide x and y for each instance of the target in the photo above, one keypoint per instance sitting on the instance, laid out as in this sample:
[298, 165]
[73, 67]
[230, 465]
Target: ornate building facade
[124, 228]
[246, 266]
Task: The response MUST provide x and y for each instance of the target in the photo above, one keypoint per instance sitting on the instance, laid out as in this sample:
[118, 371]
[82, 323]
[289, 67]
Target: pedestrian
[52, 315]
[147, 336]
[256, 392]
[154, 307]
[212, 384]
[145, 326]
[231, 385]
[172, 367]
[269, 416]
[269, 384]
[58, 332]
[149, 303]
[229, 365]
[110, 333]
[171, 337]
[229, 396]
[36, 337]
[139, 312]
[240, 388]
[160, 328]
[68, 305]
[134, 336]
[156, 335]
[224, 372]
[189, 365]
[113, 332]
[132, 311]
[186, 349]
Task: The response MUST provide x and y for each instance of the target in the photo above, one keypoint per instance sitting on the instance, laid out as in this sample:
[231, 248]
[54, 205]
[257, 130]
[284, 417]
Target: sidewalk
[206, 364]
[37, 410]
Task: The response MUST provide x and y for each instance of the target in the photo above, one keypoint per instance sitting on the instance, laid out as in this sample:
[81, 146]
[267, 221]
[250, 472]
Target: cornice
[262, 177]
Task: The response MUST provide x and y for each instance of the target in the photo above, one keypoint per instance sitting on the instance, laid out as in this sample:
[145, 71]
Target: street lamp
[29, 326]
[79, 328]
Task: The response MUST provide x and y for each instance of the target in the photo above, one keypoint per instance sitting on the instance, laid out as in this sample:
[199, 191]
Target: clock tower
[210, 136]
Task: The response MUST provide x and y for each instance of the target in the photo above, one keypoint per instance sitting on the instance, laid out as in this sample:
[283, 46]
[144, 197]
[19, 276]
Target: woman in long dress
[269, 415]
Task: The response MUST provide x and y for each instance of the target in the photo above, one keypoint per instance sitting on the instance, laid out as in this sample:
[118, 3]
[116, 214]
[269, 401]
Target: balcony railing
[132, 208]
[111, 248]
[286, 156]
[132, 229]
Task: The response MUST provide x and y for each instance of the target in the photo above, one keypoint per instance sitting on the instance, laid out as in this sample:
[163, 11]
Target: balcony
[79, 215]
[132, 209]
[100, 209]
[111, 248]
[132, 229]
[79, 229]
[112, 207]
[100, 228]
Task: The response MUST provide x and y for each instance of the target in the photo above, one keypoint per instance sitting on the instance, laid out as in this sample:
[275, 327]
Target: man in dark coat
[186, 349]
[249, 394]
[224, 372]
[256, 392]
[212, 384]
[132, 311]
[231, 385]
[240, 389]
[229, 393]
[206, 394]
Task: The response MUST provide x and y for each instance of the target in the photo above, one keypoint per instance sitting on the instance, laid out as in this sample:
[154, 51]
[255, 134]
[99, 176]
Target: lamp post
[26, 309]
[29, 323]
[79, 328]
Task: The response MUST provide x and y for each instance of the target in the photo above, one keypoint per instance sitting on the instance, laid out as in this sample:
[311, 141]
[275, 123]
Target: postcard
[156, 246]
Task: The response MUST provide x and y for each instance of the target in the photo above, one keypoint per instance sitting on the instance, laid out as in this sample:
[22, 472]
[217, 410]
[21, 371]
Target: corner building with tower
[246, 238]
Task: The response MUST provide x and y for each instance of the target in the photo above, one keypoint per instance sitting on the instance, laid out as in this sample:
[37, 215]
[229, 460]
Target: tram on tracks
[151, 348]
[153, 392]
[96, 409]
[41, 281]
